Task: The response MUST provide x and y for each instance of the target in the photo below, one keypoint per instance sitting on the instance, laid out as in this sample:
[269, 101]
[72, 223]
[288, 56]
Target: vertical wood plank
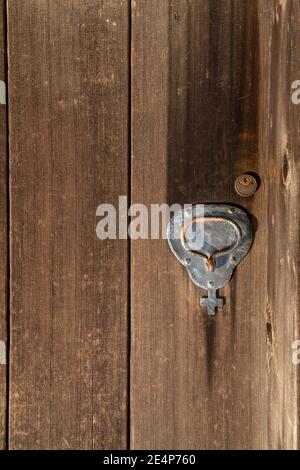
[291, 178]
[68, 72]
[3, 229]
[280, 139]
[204, 113]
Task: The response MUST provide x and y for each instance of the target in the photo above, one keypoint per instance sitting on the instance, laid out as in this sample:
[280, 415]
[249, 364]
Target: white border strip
[2, 353]
[2, 92]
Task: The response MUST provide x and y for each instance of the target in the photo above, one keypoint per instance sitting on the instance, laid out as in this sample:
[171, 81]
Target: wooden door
[104, 344]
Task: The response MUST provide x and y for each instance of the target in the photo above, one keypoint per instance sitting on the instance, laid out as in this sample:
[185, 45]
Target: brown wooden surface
[279, 148]
[210, 100]
[3, 233]
[68, 78]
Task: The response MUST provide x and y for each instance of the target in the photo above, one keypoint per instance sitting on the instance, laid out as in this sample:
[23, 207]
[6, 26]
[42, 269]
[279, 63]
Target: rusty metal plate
[210, 240]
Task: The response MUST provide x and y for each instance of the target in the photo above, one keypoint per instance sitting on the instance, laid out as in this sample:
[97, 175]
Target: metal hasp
[210, 240]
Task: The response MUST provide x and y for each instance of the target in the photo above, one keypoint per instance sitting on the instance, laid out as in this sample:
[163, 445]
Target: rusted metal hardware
[210, 240]
[245, 185]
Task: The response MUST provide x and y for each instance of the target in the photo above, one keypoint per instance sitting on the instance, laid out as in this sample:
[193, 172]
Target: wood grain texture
[68, 75]
[280, 139]
[3, 234]
[210, 100]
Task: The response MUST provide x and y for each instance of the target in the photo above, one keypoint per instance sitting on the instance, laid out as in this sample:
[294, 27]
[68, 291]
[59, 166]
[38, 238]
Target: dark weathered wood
[68, 101]
[210, 100]
[3, 230]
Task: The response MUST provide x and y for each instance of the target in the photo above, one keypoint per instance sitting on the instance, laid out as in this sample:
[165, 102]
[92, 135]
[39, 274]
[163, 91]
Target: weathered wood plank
[3, 229]
[68, 75]
[215, 80]
[279, 152]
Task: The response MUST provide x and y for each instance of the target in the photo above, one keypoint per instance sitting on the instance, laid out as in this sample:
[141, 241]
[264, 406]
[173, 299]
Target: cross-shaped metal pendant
[211, 302]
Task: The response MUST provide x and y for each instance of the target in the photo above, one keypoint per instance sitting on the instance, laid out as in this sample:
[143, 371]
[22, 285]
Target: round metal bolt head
[245, 185]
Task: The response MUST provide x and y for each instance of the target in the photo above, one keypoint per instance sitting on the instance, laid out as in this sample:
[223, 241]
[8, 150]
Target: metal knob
[245, 185]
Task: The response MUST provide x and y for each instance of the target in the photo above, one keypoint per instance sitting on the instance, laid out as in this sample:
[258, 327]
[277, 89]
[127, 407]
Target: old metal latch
[210, 240]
